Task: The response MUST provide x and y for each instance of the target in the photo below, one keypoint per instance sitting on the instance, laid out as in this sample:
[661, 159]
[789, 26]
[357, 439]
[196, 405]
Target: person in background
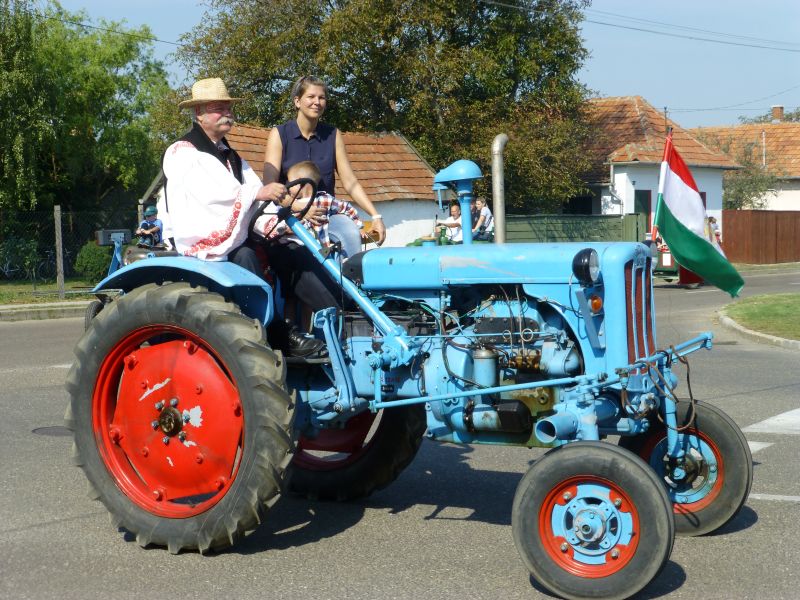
[211, 193]
[306, 138]
[453, 224]
[484, 226]
[150, 230]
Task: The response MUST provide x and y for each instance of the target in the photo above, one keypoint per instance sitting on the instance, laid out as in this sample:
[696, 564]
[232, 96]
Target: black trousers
[300, 273]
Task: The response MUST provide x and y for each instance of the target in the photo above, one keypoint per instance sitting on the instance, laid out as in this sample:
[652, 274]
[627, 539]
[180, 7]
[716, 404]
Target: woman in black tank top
[305, 138]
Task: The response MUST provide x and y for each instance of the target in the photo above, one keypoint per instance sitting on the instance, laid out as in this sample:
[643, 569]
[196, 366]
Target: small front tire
[592, 521]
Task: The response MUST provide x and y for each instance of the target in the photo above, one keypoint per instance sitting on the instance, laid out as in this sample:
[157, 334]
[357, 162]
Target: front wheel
[591, 520]
[181, 420]
[718, 467]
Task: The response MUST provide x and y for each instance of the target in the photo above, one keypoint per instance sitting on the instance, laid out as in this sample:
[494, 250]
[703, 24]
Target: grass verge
[25, 292]
[773, 314]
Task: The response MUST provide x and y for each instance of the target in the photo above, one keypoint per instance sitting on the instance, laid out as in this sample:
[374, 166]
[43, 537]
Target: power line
[688, 28]
[85, 25]
[655, 32]
[733, 106]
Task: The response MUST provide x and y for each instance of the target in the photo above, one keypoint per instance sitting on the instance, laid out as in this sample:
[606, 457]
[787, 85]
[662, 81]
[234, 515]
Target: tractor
[189, 427]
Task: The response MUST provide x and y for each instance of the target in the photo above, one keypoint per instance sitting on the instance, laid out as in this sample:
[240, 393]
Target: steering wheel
[283, 211]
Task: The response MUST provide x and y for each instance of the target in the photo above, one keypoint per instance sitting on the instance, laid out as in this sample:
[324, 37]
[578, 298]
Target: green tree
[74, 109]
[791, 116]
[447, 74]
[750, 186]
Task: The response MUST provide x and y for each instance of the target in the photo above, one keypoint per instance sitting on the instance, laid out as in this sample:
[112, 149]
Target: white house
[394, 176]
[626, 152]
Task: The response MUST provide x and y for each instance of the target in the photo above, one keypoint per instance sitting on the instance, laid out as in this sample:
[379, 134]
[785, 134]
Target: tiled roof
[628, 129]
[386, 165]
[782, 143]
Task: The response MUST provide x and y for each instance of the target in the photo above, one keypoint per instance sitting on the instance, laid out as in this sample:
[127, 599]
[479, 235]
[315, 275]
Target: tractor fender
[251, 293]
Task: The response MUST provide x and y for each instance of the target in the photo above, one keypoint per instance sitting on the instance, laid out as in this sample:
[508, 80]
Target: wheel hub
[589, 526]
[170, 421]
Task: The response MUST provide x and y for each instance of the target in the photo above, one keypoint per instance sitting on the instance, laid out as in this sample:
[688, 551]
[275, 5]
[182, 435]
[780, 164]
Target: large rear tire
[718, 463]
[591, 520]
[366, 456]
[181, 420]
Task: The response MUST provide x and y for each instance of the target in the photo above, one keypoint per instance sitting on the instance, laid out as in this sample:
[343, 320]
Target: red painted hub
[168, 421]
[335, 448]
[562, 553]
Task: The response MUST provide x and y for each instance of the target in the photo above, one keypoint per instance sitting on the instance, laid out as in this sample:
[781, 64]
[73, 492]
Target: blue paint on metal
[251, 293]
[591, 524]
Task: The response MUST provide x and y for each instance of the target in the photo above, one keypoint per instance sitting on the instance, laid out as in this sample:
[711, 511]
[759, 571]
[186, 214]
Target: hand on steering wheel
[286, 206]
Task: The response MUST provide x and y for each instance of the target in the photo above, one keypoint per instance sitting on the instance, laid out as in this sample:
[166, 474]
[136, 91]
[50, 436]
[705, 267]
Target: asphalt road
[441, 531]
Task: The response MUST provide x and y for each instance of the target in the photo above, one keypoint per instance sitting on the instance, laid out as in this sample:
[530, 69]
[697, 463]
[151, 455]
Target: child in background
[150, 229]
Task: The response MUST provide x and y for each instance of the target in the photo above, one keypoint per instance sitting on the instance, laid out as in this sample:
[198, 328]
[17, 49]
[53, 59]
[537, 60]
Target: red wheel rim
[562, 552]
[168, 421]
[647, 454]
[336, 448]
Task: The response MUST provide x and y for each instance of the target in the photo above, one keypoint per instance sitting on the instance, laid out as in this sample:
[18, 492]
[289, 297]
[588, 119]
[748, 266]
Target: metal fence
[29, 240]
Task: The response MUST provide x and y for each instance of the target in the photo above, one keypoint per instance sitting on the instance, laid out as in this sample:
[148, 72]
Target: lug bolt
[615, 554]
[173, 402]
[564, 547]
[130, 361]
[198, 389]
[154, 424]
[617, 502]
[165, 439]
[158, 495]
[237, 408]
[713, 468]
[567, 496]
[159, 405]
[186, 417]
[143, 385]
[199, 458]
[191, 347]
[219, 483]
[182, 436]
[145, 451]
[115, 435]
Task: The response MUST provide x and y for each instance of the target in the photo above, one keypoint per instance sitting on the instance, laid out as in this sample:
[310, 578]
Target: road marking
[787, 423]
[756, 446]
[703, 291]
[64, 366]
[776, 497]
[14, 370]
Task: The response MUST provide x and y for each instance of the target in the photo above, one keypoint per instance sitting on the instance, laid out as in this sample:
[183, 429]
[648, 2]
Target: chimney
[777, 114]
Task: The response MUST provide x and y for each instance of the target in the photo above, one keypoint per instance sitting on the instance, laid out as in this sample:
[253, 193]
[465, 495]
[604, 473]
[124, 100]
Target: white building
[626, 152]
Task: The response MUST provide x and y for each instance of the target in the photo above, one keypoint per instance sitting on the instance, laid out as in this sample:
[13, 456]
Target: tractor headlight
[586, 266]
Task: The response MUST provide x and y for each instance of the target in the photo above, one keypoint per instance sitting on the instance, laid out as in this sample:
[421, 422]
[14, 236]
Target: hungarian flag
[681, 222]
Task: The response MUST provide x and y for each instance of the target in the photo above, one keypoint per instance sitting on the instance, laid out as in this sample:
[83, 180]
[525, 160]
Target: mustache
[226, 121]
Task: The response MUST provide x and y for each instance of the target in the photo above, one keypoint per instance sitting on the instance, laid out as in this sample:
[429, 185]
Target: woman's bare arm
[273, 157]
[353, 187]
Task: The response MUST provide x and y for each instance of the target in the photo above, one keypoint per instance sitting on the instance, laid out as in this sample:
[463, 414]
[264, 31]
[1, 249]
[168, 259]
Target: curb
[35, 312]
[762, 338]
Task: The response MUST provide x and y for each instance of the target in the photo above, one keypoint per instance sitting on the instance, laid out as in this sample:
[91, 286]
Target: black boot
[285, 336]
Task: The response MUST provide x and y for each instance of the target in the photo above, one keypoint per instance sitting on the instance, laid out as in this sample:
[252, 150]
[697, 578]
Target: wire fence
[29, 241]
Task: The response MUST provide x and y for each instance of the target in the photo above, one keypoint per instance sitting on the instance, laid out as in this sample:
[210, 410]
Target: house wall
[787, 196]
[630, 178]
[406, 220]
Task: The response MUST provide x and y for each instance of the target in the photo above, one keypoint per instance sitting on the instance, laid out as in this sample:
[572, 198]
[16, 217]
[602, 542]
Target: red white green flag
[682, 223]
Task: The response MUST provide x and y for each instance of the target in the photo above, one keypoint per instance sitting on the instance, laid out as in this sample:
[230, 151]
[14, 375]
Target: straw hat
[208, 90]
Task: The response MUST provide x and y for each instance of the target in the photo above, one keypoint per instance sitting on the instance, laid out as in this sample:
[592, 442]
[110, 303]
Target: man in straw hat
[211, 193]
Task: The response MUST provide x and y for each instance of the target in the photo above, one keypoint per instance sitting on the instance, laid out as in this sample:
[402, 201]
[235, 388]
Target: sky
[699, 82]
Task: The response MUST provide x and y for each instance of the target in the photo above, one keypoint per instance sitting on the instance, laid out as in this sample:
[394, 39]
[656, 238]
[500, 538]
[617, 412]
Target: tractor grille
[639, 305]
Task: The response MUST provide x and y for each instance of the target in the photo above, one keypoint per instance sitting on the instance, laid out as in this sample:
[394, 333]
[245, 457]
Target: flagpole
[661, 179]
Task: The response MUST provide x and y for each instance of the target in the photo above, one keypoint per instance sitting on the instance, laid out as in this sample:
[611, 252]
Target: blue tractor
[189, 426]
